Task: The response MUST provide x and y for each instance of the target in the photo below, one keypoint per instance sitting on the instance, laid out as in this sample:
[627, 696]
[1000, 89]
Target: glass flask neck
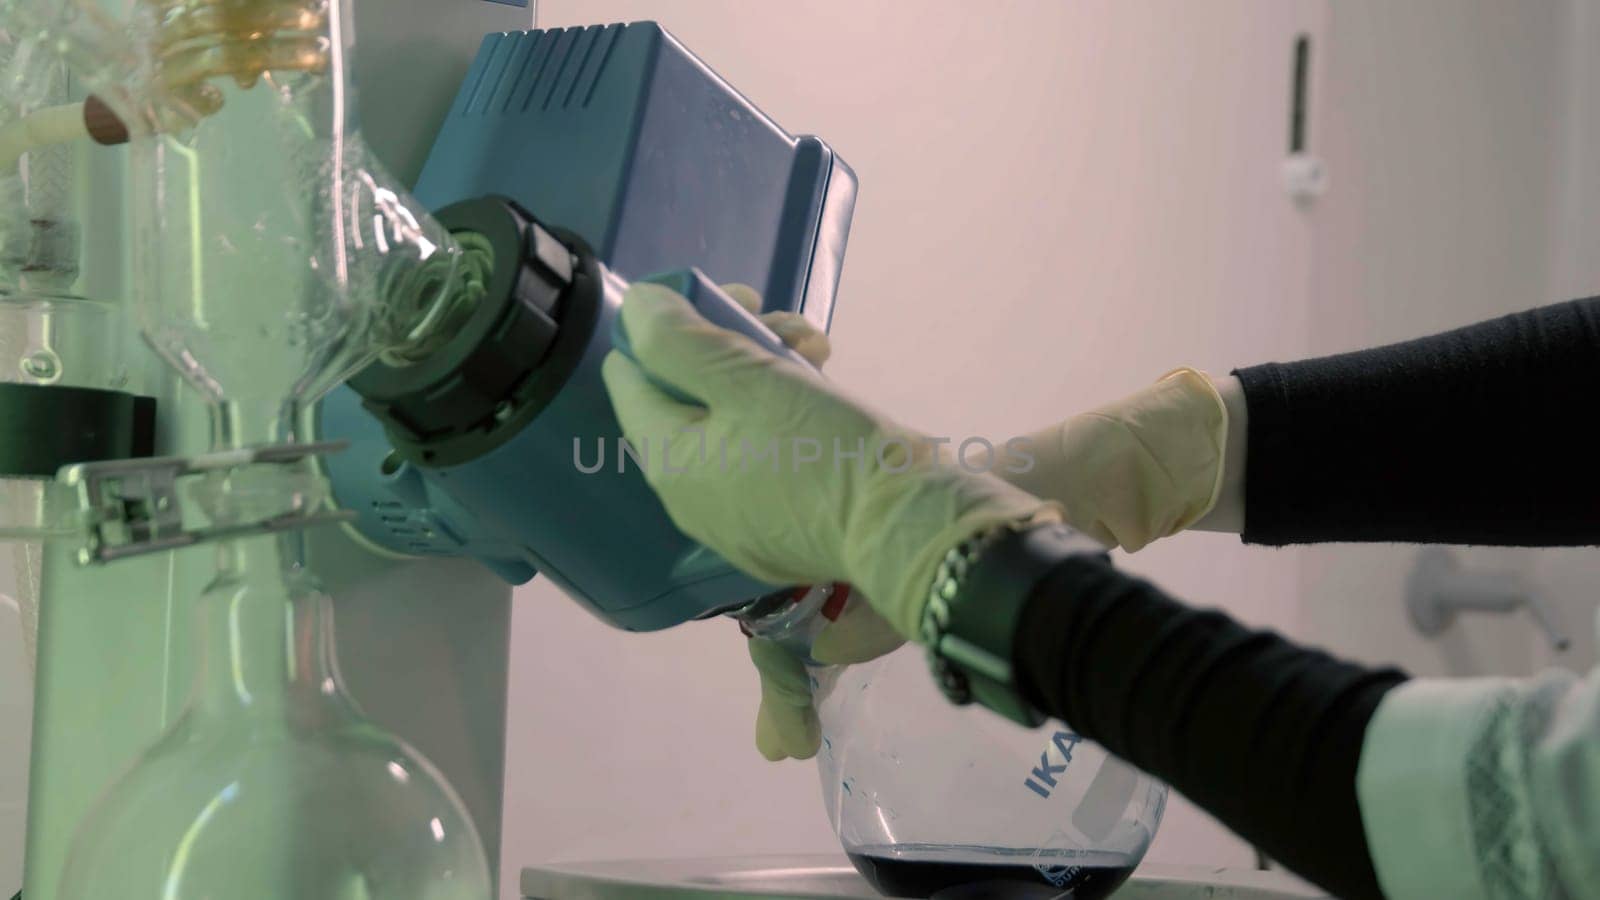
[265, 638]
[236, 424]
[790, 618]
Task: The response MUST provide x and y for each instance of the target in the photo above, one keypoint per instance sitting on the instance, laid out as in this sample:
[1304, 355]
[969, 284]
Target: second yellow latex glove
[1129, 472]
[1137, 470]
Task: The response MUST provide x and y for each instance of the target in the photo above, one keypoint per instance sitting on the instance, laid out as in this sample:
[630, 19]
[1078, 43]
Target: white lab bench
[832, 878]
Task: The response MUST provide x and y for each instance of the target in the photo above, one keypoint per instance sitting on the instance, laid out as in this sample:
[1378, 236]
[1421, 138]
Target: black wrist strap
[987, 610]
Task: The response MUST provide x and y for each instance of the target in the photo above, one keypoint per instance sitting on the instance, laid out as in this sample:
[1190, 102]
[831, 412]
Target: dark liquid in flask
[898, 877]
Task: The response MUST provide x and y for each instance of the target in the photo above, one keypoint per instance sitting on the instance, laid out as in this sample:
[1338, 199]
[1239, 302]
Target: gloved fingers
[746, 296]
[796, 330]
[786, 724]
[859, 634]
[643, 409]
[1139, 469]
[802, 337]
[676, 345]
[787, 733]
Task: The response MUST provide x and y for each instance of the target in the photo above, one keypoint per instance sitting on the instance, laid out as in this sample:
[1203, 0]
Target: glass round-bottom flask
[271, 784]
[929, 798]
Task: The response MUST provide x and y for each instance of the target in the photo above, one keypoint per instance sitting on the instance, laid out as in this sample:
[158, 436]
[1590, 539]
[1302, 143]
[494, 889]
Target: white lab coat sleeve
[1485, 789]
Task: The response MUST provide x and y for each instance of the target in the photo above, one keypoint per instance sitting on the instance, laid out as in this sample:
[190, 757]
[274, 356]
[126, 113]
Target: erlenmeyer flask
[271, 784]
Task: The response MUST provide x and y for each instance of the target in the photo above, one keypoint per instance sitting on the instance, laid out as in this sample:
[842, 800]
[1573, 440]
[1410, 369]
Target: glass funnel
[275, 256]
[271, 784]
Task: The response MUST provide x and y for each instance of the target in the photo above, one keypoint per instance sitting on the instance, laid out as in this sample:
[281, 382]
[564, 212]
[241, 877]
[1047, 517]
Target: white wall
[1060, 202]
[1460, 138]
[1569, 576]
[1575, 269]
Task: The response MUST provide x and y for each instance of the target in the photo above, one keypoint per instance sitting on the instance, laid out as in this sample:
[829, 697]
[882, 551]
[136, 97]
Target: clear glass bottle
[271, 784]
[928, 797]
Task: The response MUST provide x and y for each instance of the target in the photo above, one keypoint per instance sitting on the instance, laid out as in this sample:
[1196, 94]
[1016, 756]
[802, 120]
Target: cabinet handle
[1297, 102]
[1305, 177]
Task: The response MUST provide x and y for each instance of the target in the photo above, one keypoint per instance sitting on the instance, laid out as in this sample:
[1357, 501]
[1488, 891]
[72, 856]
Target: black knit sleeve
[1263, 734]
[1481, 435]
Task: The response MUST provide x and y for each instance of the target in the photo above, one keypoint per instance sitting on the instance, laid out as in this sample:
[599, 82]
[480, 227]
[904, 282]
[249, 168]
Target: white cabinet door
[1460, 139]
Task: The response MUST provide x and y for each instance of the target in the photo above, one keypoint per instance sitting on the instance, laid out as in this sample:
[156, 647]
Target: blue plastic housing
[622, 136]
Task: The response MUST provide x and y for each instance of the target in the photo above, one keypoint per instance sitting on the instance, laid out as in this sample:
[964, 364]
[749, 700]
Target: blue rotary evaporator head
[585, 157]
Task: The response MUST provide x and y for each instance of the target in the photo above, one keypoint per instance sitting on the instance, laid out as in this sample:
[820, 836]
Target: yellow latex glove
[1140, 469]
[880, 521]
[1144, 467]
[786, 722]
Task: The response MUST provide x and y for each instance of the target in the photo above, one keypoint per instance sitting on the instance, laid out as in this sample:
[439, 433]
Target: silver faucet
[1439, 588]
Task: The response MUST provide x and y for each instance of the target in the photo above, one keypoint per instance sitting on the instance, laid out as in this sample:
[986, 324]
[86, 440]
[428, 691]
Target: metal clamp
[131, 507]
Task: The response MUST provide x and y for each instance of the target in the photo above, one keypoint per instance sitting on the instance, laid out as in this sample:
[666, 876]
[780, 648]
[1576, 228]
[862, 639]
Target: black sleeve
[1261, 733]
[1475, 436]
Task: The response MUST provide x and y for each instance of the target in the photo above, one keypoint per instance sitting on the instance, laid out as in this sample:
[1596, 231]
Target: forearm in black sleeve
[1263, 734]
[1476, 436]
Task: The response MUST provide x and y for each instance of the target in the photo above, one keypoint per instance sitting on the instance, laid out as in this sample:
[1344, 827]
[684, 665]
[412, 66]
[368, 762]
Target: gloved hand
[786, 722]
[880, 520]
[1127, 473]
[796, 330]
[1140, 469]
